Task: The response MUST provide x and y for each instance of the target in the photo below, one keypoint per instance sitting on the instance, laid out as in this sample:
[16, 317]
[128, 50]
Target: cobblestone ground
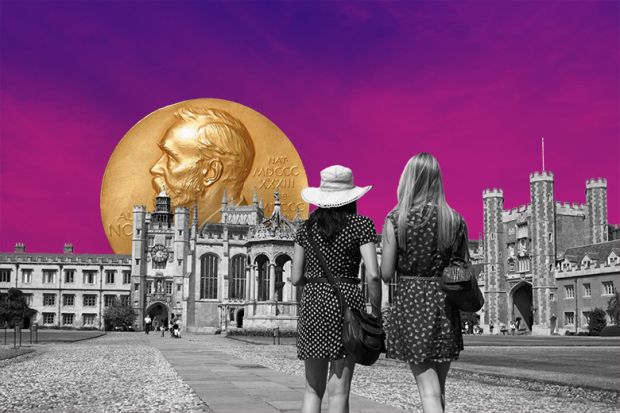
[392, 383]
[123, 373]
[115, 373]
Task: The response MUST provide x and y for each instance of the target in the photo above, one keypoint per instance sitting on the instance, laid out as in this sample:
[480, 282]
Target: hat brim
[333, 199]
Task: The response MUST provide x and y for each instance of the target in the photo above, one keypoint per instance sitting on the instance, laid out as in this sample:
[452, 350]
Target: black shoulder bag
[459, 281]
[362, 333]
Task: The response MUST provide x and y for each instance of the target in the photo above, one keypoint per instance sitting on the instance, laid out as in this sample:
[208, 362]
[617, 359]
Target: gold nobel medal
[199, 152]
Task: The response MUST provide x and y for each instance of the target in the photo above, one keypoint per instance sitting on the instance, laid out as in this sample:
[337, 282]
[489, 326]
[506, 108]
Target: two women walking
[418, 236]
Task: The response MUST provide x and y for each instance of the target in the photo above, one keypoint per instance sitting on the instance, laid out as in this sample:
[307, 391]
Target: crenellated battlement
[493, 193]
[520, 208]
[541, 176]
[566, 208]
[139, 208]
[572, 206]
[181, 210]
[594, 267]
[596, 183]
[516, 213]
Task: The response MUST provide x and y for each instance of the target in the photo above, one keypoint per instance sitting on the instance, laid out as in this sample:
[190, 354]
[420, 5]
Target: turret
[596, 210]
[495, 280]
[543, 247]
[162, 214]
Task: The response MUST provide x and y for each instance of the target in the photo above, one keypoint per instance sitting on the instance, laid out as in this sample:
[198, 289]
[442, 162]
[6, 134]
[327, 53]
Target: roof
[594, 251]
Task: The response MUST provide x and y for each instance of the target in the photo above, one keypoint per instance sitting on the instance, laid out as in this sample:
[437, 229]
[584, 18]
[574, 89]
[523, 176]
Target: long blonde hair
[421, 184]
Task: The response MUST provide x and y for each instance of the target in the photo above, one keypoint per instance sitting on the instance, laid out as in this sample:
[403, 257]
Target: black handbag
[458, 279]
[362, 333]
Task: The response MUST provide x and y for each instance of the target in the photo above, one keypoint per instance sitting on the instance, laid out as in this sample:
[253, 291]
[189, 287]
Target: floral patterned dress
[424, 325]
[319, 325]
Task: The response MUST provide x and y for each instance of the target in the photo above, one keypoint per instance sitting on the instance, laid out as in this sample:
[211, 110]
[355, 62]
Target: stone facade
[523, 246]
[68, 290]
[586, 278]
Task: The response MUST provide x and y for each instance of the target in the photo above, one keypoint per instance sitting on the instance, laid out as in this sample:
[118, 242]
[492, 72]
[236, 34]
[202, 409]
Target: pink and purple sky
[366, 85]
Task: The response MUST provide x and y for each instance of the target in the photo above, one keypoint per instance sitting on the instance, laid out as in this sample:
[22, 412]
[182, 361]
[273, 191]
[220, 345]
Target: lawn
[50, 336]
[10, 352]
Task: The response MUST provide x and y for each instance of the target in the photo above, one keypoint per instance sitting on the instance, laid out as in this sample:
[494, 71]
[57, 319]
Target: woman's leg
[316, 378]
[429, 386]
[442, 372]
[339, 384]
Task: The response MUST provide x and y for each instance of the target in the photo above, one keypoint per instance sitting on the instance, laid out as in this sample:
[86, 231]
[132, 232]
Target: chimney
[68, 248]
[20, 247]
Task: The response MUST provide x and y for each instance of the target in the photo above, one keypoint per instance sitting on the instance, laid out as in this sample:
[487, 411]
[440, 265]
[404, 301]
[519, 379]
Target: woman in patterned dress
[418, 237]
[344, 238]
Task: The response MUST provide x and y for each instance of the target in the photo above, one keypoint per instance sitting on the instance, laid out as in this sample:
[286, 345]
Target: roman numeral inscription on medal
[277, 174]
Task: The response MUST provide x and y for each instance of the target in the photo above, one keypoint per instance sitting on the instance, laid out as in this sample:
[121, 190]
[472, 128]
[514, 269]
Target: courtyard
[134, 372]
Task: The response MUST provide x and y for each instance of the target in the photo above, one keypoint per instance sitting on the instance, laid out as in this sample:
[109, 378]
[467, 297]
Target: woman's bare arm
[373, 281]
[389, 253]
[299, 261]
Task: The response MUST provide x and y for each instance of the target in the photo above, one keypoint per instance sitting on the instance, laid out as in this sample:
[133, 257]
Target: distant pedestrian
[147, 323]
[466, 331]
[512, 328]
[503, 329]
[491, 326]
[163, 329]
[176, 331]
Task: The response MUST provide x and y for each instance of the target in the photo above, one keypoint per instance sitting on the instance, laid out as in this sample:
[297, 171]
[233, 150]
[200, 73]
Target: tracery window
[237, 277]
[208, 276]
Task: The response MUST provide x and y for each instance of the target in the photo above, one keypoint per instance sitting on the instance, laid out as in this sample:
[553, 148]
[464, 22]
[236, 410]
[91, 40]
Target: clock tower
[160, 245]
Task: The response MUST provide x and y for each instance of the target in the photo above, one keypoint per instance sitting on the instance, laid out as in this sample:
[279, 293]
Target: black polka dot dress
[319, 325]
[424, 325]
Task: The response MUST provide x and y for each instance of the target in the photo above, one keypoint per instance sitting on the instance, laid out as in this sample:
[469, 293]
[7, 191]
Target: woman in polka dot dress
[344, 238]
[425, 328]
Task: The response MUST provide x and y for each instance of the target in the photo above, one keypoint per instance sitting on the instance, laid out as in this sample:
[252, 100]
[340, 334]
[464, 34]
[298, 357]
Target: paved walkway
[232, 385]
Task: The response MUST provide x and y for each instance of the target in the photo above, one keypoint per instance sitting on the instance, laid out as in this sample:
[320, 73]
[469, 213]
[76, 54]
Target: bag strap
[460, 233]
[326, 270]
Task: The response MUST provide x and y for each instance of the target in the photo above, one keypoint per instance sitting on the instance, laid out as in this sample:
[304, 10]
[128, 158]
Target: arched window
[237, 277]
[262, 266]
[208, 276]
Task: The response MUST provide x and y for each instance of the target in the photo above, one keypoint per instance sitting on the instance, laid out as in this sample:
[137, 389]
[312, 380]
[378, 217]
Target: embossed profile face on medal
[204, 154]
[197, 151]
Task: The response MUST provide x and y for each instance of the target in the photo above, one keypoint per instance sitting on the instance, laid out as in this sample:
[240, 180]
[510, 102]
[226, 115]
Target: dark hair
[330, 221]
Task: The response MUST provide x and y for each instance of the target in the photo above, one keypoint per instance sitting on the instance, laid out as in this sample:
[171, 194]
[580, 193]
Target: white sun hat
[337, 188]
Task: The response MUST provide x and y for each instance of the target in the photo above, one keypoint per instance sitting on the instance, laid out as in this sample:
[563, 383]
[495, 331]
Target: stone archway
[159, 314]
[239, 318]
[283, 272]
[522, 305]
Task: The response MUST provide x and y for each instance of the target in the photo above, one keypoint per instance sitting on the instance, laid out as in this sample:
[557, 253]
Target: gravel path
[392, 383]
[108, 374]
[111, 373]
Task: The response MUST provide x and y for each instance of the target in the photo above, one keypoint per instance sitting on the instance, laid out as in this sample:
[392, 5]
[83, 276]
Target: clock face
[159, 253]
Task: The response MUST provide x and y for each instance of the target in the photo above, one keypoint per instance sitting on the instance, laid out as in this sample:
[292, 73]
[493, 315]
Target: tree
[597, 321]
[15, 308]
[613, 308]
[119, 315]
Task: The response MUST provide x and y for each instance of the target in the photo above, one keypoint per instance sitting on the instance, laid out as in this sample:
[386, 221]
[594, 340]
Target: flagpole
[543, 153]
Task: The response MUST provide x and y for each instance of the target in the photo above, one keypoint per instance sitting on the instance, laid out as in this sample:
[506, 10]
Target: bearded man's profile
[206, 153]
